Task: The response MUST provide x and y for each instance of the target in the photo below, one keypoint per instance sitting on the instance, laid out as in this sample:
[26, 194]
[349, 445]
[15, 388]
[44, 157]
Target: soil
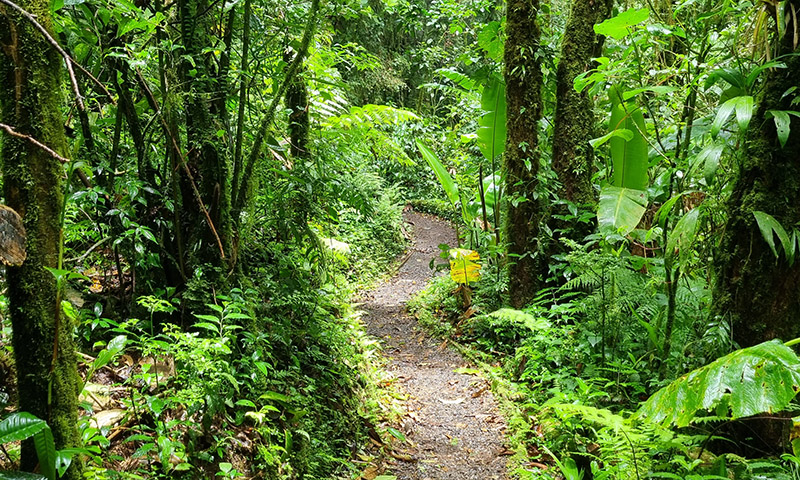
[452, 426]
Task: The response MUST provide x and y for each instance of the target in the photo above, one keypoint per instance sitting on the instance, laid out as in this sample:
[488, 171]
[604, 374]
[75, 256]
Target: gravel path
[453, 428]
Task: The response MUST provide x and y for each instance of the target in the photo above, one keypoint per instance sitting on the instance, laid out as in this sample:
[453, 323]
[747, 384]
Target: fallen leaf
[451, 402]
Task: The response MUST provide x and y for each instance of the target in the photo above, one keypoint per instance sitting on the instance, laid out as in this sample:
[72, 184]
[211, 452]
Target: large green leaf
[20, 426]
[619, 27]
[620, 209]
[629, 151]
[492, 124]
[449, 186]
[750, 381]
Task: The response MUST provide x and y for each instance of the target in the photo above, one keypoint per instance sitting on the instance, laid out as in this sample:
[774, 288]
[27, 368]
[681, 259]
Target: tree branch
[69, 61]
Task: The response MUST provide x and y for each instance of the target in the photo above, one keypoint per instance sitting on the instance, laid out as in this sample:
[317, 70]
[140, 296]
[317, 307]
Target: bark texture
[205, 117]
[757, 292]
[523, 76]
[30, 86]
[574, 119]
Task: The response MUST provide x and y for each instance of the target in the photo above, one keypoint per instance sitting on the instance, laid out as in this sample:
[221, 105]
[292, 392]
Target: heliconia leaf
[492, 124]
[464, 268]
[46, 452]
[620, 209]
[619, 27]
[629, 157]
[449, 186]
[764, 378]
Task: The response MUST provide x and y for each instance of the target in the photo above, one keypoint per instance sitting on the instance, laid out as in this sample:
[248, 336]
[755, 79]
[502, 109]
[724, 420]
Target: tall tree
[759, 294]
[574, 118]
[205, 80]
[523, 77]
[30, 102]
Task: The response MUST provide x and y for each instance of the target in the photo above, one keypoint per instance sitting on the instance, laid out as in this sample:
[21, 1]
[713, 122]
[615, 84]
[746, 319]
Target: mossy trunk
[523, 76]
[758, 293]
[206, 134]
[297, 103]
[573, 157]
[30, 88]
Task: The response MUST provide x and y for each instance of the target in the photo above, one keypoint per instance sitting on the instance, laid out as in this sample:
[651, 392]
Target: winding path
[453, 428]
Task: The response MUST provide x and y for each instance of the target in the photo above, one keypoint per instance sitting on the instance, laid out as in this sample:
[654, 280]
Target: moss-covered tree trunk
[205, 117]
[297, 103]
[758, 293]
[30, 88]
[574, 120]
[523, 76]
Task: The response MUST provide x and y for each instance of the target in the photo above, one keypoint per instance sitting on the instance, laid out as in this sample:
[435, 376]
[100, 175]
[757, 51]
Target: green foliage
[629, 155]
[492, 124]
[759, 379]
[770, 228]
[620, 210]
[618, 27]
[22, 426]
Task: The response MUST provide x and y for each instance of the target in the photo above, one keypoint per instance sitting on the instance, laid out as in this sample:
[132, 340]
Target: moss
[30, 86]
[574, 119]
[758, 293]
[523, 77]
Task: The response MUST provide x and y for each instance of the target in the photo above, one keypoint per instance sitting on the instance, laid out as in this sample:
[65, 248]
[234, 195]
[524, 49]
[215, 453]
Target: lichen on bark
[30, 86]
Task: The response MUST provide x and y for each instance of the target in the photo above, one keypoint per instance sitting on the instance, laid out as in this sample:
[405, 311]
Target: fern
[370, 116]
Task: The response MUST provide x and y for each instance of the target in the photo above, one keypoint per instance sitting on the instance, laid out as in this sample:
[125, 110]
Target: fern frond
[372, 115]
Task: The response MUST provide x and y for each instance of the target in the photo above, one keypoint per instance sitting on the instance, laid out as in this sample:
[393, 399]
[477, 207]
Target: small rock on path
[453, 426]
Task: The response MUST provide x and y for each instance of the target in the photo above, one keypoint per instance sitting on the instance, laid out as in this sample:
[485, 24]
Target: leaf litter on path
[452, 428]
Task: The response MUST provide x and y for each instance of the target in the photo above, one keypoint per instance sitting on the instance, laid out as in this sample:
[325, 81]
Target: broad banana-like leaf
[449, 186]
[759, 379]
[628, 153]
[464, 268]
[492, 124]
[620, 209]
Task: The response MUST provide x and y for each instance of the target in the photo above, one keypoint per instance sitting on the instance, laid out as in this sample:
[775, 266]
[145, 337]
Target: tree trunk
[757, 292]
[207, 158]
[574, 119]
[30, 86]
[297, 103]
[527, 268]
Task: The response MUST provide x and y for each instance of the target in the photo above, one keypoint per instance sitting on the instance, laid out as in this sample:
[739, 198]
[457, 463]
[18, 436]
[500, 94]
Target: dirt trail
[453, 426]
